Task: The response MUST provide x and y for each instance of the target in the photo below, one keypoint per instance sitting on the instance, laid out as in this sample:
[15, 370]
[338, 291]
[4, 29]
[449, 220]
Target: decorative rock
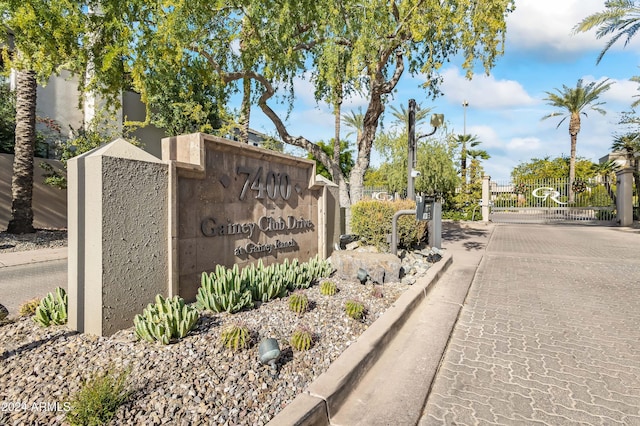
[381, 267]
[4, 312]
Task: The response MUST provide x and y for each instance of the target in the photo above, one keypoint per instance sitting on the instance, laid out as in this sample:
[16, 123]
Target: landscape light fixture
[269, 351]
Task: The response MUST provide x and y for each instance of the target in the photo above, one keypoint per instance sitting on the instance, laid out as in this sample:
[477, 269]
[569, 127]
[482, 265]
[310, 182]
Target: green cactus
[164, 320]
[224, 290]
[328, 288]
[298, 302]
[236, 337]
[354, 309]
[301, 339]
[52, 309]
[265, 284]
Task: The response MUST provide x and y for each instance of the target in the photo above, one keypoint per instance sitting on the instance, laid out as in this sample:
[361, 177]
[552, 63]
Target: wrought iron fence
[550, 200]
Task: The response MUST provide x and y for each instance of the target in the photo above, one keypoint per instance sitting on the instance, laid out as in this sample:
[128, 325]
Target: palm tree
[573, 102]
[629, 144]
[22, 182]
[607, 171]
[465, 142]
[354, 120]
[620, 18]
[402, 115]
[476, 156]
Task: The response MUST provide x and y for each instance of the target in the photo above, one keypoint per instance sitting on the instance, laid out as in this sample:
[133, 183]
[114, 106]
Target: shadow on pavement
[457, 232]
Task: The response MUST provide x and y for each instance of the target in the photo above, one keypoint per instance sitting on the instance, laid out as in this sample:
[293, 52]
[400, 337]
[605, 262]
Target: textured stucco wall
[134, 238]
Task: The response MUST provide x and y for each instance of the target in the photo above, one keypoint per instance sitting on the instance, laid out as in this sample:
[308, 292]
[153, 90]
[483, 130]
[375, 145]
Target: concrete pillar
[486, 197]
[435, 226]
[624, 196]
[118, 230]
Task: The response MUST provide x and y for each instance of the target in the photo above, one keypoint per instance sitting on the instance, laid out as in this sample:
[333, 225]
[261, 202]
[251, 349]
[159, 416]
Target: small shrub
[52, 309]
[165, 320]
[29, 307]
[354, 309]
[298, 303]
[301, 339]
[99, 398]
[328, 288]
[372, 220]
[235, 337]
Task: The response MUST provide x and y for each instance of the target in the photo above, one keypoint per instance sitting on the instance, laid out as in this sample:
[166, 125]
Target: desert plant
[313, 269]
[301, 339]
[265, 283]
[165, 320]
[354, 309]
[298, 302]
[236, 337]
[99, 398]
[52, 309]
[224, 290]
[328, 288]
[29, 307]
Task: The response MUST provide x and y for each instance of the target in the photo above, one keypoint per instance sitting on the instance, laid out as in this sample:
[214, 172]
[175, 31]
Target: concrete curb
[19, 258]
[326, 394]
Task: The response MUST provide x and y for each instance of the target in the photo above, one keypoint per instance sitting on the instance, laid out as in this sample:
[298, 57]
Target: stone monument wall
[237, 204]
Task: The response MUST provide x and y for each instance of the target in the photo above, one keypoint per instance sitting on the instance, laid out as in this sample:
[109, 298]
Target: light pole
[412, 173]
[465, 104]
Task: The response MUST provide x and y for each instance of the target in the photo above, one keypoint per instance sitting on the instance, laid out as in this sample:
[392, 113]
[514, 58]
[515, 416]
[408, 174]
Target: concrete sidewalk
[19, 258]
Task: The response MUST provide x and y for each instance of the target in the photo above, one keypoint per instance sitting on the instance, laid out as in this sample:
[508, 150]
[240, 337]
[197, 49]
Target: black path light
[436, 121]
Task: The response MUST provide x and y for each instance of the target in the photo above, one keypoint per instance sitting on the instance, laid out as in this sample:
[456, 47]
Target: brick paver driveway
[549, 334]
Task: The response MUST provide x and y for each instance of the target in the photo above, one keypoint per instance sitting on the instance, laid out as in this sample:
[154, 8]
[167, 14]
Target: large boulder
[381, 267]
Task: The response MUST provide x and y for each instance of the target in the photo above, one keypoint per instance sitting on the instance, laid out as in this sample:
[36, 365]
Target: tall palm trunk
[574, 129]
[22, 182]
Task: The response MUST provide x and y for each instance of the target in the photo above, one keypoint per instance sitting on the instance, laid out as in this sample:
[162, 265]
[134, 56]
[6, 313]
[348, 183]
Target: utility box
[424, 208]
[427, 208]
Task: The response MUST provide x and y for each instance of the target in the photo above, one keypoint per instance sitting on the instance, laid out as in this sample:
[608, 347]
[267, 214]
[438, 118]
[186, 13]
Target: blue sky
[505, 107]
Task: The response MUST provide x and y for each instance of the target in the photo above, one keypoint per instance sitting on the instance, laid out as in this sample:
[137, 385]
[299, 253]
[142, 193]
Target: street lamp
[436, 121]
[465, 104]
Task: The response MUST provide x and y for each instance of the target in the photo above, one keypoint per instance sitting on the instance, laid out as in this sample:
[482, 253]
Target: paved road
[23, 282]
[549, 334]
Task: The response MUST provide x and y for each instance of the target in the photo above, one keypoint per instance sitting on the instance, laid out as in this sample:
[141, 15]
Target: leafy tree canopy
[548, 168]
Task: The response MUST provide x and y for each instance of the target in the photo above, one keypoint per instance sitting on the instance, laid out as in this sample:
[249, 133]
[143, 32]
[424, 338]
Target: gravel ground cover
[42, 238]
[194, 381]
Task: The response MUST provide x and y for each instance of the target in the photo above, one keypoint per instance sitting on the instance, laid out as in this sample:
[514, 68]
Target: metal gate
[547, 201]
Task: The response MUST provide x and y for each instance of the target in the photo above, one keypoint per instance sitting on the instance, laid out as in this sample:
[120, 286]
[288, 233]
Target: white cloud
[622, 91]
[547, 26]
[483, 92]
[487, 135]
[527, 144]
